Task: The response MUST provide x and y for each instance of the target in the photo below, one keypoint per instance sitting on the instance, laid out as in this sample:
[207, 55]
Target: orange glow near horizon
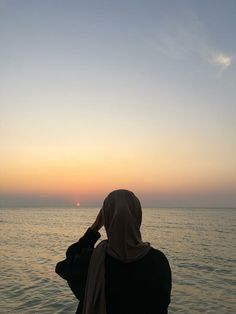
[164, 170]
[89, 178]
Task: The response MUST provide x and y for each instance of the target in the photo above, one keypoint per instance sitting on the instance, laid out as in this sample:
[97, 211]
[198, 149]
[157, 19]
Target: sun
[78, 204]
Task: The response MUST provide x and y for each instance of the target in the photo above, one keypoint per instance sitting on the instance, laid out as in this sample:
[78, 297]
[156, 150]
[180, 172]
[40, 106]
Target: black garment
[140, 287]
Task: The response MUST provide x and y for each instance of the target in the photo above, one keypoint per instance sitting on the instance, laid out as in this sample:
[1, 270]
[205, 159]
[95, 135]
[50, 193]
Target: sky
[101, 95]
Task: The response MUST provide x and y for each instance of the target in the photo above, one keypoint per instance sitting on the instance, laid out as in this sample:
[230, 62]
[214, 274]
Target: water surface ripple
[199, 243]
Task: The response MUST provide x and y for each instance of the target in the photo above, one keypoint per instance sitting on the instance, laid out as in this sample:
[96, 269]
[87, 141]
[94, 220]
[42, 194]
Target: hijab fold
[122, 217]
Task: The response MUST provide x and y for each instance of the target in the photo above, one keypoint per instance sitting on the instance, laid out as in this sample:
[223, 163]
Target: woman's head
[121, 208]
[122, 217]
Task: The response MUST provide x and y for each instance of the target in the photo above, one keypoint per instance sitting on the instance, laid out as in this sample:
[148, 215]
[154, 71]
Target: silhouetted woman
[123, 274]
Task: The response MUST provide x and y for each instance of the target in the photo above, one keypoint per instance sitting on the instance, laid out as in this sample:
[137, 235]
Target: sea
[200, 244]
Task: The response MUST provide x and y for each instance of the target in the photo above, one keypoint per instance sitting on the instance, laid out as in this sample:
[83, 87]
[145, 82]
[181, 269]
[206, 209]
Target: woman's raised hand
[98, 223]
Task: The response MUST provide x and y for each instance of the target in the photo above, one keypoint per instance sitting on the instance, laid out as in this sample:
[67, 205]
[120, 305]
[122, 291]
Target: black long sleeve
[75, 267]
[87, 241]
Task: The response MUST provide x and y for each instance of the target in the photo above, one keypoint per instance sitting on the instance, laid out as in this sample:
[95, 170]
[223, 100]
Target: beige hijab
[122, 217]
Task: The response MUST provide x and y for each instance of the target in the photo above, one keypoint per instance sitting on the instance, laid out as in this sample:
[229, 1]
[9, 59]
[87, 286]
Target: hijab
[122, 217]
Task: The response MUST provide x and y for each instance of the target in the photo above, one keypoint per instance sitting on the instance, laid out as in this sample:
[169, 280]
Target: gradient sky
[99, 95]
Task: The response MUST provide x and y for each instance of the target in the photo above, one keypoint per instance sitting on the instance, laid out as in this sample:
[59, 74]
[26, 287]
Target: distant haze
[102, 95]
[184, 200]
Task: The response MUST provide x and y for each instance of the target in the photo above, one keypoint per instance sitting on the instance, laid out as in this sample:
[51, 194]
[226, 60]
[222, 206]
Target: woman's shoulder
[156, 252]
[157, 255]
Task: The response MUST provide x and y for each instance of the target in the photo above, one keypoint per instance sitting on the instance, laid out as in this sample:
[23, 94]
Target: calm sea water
[199, 243]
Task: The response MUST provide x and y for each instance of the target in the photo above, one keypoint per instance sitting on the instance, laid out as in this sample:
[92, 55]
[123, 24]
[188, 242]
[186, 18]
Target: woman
[123, 274]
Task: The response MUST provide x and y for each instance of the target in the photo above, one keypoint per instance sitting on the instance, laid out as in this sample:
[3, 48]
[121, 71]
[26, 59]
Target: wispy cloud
[222, 60]
[186, 37]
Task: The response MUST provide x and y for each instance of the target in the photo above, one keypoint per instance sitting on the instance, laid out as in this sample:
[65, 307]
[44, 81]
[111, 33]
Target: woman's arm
[75, 267]
[87, 241]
